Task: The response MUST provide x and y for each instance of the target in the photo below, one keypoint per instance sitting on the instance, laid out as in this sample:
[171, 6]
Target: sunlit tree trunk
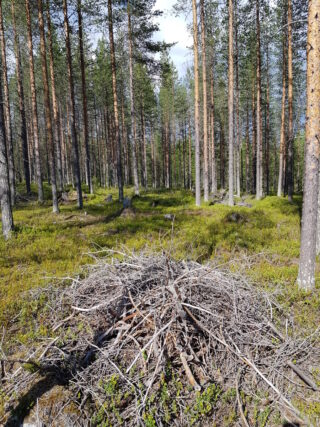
[205, 108]
[238, 132]
[72, 113]
[84, 98]
[247, 154]
[222, 156]
[230, 104]
[22, 110]
[190, 157]
[306, 276]
[46, 96]
[56, 118]
[115, 102]
[267, 156]
[144, 148]
[7, 111]
[254, 138]
[196, 102]
[132, 112]
[290, 106]
[34, 107]
[259, 189]
[213, 149]
[6, 210]
[283, 124]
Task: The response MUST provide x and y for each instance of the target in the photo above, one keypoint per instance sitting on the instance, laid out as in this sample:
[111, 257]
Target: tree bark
[196, 102]
[213, 149]
[254, 138]
[22, 110]
[205, 108]
[75, 149]
[6, 210]
[46, 96]
[84, 98]
[7, 111]
[222, 156]
[267, 156]
[247, 154]
[306, 276]
[259, 189]
[56, 118]
[132, 112]
[144, 148]
[190, 157]
[238, 135]
[115, 102]
[283, 123]
[290, 107]
[34, 107]
[230, 104]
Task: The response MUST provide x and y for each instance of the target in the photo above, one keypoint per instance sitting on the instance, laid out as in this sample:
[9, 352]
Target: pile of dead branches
[145, 340]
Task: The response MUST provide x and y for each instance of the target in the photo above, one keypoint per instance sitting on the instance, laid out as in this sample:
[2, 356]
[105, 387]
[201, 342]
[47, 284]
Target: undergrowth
[46, 247]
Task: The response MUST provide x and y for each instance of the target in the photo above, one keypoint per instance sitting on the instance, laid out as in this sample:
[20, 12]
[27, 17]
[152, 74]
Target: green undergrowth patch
[46, 246]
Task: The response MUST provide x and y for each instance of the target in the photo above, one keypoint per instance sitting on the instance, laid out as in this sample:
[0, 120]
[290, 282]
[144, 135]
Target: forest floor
[261, 242]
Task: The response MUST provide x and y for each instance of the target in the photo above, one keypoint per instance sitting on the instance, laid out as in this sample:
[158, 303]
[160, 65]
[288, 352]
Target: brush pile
[145, 340]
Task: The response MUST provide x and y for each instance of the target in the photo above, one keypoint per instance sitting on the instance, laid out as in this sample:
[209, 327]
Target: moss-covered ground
[262, 241]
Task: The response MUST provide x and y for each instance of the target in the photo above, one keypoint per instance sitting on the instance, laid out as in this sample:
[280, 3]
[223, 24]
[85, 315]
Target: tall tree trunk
[306, 276]
[267, 156]
[190, 157]
[125, 143]
[283, 123]
[213, 150]
[75, 149]
[22, 110]
[259, 113]
[230, 103]
[254, 138]
[7, 111]
[173, 126]
[115, 102]
[46, 96]
[84, 97]
[290, 106]
[247, 153]
[222, 156]
[56, 118]
[205, 108]
[132, 112]
[34, 107]
[6, 210]
[238, 133]
[196, 102]
[144, 148]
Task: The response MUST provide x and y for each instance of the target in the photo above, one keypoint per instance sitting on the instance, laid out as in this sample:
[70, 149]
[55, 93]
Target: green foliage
[204, 403]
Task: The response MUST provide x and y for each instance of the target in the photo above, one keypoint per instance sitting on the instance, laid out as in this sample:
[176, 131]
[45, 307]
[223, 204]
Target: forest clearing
[160, 213]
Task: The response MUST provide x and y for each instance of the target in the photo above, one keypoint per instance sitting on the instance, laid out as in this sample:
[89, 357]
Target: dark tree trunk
[22, 110]
[7, 111]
